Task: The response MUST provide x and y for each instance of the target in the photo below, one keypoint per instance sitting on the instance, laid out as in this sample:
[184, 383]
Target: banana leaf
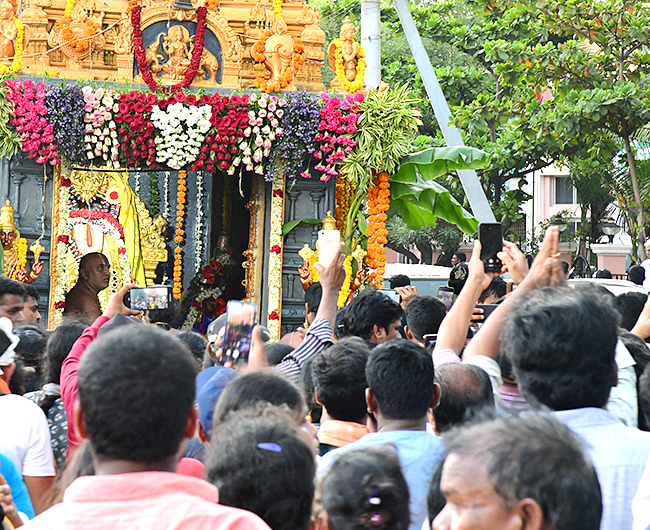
[437, 161]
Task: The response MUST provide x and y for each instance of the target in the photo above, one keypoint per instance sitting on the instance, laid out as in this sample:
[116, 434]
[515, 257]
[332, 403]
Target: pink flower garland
[334, 139]
[30, 121]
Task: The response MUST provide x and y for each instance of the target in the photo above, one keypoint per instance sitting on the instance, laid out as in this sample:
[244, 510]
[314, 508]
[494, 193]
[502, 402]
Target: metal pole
[371, 41]
[468, 177]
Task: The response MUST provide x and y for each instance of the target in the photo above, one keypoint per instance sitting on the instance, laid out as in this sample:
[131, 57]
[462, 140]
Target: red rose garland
[135, 130]
[141, 60]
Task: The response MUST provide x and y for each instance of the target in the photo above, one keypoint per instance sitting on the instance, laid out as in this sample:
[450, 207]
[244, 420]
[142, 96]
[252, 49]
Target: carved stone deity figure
[175, 46]
[278, 52]
[349, 51]
[15, 248]
[8, 30]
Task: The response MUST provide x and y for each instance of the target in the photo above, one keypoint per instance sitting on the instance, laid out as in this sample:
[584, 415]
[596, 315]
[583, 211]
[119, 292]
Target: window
[564, 191]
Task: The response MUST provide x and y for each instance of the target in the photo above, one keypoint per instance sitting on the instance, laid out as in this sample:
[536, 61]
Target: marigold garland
[378, 205]
[359, 79]
[178, 238]
[82, 43]
[17, 62]
[344, 194]
[285, 79]
[277, 8]
[344, 293]
[22, 253]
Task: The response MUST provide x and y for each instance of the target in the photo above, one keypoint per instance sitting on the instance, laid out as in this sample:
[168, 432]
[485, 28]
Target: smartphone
[430, 341]
[488, 309]
[240, 320]
[447, 296]
[391, 293]
[329, 242]
[146, 298]
[491, 237]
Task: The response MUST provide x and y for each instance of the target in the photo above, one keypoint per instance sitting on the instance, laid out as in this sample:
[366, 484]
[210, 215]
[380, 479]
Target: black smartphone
[240, 320]
[147, 298]
[446, 294]
[488, 309]
[491, 237]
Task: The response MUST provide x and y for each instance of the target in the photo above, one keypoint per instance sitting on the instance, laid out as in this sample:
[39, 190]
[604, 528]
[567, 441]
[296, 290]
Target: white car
[616, 287]
[426, 278]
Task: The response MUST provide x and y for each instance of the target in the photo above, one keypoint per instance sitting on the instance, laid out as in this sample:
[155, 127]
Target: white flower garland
[136, 187]
[263, 128]
[199, 222]
[102, 145]
[182, 132]
[166, 199]
[61, 288]
[275, 260]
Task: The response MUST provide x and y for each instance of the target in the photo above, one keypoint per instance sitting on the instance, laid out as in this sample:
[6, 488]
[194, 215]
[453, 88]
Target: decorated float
[195, 145]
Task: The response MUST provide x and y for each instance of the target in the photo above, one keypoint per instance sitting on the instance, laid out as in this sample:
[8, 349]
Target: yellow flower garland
[22, 254]
[179, 234]
[344, 293]
[277, 8]
[359, 80]
[17, 63]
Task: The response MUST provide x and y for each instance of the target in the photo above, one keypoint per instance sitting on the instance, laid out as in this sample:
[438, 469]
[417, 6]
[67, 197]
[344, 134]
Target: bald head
[95, 271]
[465, 392]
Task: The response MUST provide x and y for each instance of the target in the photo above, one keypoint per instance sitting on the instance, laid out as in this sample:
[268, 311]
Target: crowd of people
[384, 415]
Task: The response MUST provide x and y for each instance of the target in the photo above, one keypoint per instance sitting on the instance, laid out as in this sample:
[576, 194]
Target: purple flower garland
[65, 112]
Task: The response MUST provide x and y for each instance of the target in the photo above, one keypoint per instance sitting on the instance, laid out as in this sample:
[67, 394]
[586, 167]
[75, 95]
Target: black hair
[276, 351]
[562, 347]
[400, 375]
[166, 317]
[339, 375]
[399, 280]
[17, 383]
[644, 394]
[196, 343]
[565, 267]
[365, 489]
[534, 456]
[603, 273]
[260, 464]
[370, 307]
[313, 297]
[636, 274]
[136, 392]
[630, 305]
[465, 392]
[258, 387]
[58, 347]
[424, 314]
[31, 345]
[461, 256]
[9, 286]
[497, 287]
[30, 290]
[640, 352]
[340, 323]
[435, 499]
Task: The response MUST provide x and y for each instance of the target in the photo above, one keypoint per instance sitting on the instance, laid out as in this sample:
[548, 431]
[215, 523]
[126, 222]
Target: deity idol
[8, 30]
[349, 49]
[15, 249]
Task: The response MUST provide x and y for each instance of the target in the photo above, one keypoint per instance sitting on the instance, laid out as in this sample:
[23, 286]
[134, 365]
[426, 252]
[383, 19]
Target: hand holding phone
[240, 320]
[329, 242]
[491, 237]
[148, 298]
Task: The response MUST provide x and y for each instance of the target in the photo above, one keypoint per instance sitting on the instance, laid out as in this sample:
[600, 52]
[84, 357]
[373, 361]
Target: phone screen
[146, 298]
[240, 320]
[446, 296]
[491, 237]
[390, 293]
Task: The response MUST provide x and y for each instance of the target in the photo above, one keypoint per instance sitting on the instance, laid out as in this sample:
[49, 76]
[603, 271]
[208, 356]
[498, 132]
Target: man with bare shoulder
[82, 301]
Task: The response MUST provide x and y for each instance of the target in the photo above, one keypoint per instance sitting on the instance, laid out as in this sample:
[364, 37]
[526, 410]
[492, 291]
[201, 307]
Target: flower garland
[229, 119]
[91, 29]
[66, 114]
[17, 62]
[258, 53]
[141, 60]
[194, 312]
[135, 132]
[275, 258]
[338, 123]
[29, 119]
[178, 238]
[378, 205]
[102, 145]
[154, 195]
[300, 119]
[344, 293]
[263, 128]
[277, 8]
[62, 242]
[344, 194]
[183, 130]
[198, 230]
[166, 205]
[22, 253]
[359, 79]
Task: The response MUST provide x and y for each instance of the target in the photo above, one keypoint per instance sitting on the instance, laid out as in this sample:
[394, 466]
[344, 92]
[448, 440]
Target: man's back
[419, 452]
[619, 454]
[130, 501]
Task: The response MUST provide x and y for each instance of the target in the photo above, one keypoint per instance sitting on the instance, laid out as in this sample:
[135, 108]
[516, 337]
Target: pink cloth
[141, 501]
[445, 357]
[190, 467]
[69, 379]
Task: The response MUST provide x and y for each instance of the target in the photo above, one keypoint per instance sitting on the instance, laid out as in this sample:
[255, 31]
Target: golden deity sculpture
[349, 52]
[8, 30]
[278, 53]
[15, 249]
